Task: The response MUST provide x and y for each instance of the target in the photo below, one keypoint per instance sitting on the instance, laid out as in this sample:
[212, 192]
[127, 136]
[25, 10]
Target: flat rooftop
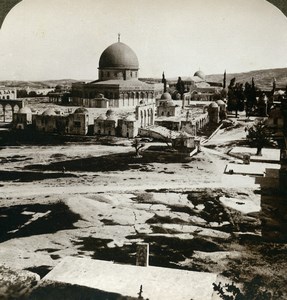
[157, 283]
[268, 155]
[254, 168]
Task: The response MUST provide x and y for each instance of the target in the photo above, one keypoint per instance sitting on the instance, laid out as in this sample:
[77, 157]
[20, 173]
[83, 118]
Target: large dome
[118, 56]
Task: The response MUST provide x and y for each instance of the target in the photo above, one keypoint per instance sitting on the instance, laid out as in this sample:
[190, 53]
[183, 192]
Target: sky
[59, 39]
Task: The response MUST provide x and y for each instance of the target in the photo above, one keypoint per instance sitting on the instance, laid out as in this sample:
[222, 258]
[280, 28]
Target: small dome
[81, 110]
[110, 112]
[25, 110]
[112, 117]
[59, 87]
[165, 96]
[220, 102]
[213, 105]
[49, 112]
[118, 56]
[200, 74]
[130, 118]
[101, 117]
[100, 96]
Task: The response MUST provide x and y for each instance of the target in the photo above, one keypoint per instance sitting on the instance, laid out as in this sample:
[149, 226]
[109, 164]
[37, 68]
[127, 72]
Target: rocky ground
[99, 201]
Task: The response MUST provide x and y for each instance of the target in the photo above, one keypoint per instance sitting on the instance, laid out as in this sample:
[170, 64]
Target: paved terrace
[268, 155]
[254, 168]
[157, 283]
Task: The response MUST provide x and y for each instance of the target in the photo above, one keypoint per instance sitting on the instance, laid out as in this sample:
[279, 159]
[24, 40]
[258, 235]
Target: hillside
[263, 78]
[37, 84]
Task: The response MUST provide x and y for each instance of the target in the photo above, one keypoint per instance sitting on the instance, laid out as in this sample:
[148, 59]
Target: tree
[252, 291]
[250, 94]
[22, 93]
[137, 144]
[236, 97]
[180, 86]
[258, 135]
[32, 94]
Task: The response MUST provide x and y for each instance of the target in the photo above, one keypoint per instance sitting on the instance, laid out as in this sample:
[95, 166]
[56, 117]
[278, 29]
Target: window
[77, 124]
[275, 121]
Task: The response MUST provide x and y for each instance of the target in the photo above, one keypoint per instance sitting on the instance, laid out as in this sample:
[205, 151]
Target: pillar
[142, 255]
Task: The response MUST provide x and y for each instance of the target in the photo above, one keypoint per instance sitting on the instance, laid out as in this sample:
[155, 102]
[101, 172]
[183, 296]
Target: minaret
[164, 82]
[274, 85]
[224, 80]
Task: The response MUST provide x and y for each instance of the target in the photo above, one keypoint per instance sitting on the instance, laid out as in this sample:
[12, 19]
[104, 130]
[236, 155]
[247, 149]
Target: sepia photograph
[143, 150]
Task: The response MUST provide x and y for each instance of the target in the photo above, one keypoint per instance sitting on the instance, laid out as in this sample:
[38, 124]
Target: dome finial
[119, 37]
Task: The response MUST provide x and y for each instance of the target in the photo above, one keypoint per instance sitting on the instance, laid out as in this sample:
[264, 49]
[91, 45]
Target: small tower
[273, 85]
[253, 83]
[164, 82]
[224, 80]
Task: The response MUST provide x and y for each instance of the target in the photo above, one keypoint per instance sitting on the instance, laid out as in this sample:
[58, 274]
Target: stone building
[51, 122]
[145, 114]
[275, 119]
[196, 86]
[273, 213]
[213, 113]
[106, 124]
[128, 126]
[166, 106]
[8, 93]
[78, 122]
[22, 118]
[118, 82]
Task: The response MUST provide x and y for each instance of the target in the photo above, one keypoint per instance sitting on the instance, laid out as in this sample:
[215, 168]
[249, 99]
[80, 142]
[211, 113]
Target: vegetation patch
[15, 284]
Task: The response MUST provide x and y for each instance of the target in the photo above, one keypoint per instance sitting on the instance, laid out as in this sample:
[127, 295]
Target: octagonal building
[118, 84]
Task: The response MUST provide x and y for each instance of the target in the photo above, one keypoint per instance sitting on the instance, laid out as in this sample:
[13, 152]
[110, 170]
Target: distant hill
[37, 84]
[263, 78]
